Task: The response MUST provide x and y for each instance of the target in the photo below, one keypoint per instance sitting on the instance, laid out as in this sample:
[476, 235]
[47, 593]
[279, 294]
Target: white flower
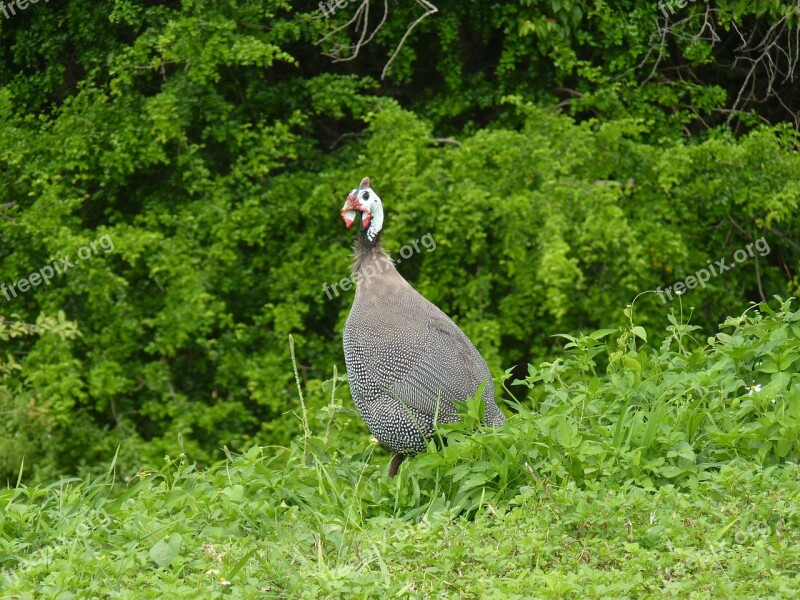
[223, 581]
[754, 389]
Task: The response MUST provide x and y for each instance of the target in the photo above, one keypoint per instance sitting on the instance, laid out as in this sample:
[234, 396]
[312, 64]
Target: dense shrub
[212, 145]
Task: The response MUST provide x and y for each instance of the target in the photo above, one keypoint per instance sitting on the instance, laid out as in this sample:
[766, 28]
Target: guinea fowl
[407, 362]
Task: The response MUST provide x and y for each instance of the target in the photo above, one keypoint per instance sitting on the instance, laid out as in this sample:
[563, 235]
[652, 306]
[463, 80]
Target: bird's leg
[395, 464]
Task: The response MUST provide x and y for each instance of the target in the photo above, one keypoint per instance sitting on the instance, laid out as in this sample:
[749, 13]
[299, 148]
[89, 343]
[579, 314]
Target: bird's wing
[423, 359]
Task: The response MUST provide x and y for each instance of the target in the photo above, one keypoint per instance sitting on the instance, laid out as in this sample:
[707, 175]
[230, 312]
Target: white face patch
[371, 202]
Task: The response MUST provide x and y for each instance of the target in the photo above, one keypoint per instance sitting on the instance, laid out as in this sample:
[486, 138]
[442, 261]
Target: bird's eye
[365, 196]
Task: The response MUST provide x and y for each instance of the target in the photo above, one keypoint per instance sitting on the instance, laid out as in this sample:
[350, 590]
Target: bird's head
[364, 200]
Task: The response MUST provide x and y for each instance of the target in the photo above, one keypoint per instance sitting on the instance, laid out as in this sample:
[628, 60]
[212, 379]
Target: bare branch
[360, 24]
[446, 141]
[430, 10]
[767, 56]
[361, 20]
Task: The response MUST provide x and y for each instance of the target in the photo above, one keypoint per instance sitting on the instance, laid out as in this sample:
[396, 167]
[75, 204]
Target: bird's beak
[349, 209]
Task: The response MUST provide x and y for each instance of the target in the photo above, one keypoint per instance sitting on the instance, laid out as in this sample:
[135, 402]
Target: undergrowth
[624, 470]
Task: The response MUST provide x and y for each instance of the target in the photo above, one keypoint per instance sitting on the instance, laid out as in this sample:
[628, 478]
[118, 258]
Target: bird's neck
[373, 267]
[369, 251]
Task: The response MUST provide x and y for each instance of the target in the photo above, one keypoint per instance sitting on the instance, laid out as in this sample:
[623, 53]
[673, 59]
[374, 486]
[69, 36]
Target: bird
[408, 363]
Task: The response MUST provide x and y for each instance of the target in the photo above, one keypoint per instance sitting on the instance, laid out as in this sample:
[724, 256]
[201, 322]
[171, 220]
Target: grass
[628, 471]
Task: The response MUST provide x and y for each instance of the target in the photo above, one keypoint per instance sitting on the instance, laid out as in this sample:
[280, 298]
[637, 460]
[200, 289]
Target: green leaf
[601, 333]
[235, 492]
[670, 471]
[166, 551]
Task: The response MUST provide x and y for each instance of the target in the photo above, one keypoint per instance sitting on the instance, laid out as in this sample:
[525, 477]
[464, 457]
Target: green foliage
[671, 470]
[537, 231]
[666, 64]
[213, 145]
[39, 399]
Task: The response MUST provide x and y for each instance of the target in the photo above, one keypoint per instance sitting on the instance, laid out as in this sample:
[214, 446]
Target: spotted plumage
[407, 362]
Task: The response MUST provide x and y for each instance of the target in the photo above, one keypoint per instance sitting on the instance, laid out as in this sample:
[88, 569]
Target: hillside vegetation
[671, 470]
